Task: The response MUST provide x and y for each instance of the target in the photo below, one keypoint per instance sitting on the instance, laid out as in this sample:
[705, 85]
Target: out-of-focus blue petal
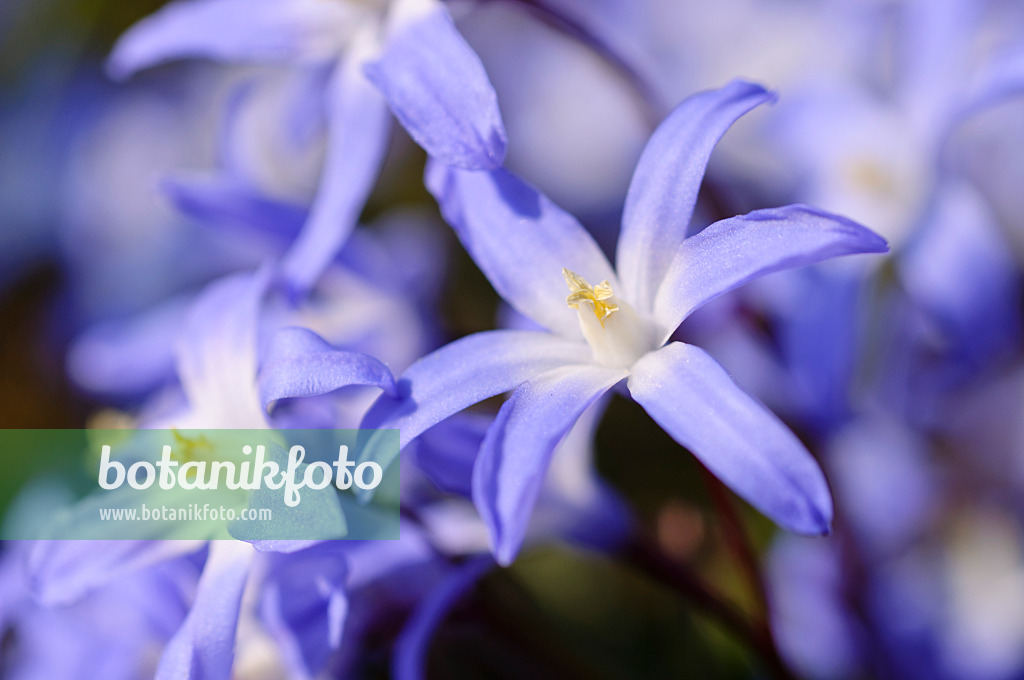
[233, 204]
[446, 452]
[223, 30]
[409, 660]
[882, 479]
[468, 371]
[819, 337]
[620, 31]
[439, 91]
[664, 188]
[961, 271]
[733, 435]
[228, 30]
[216, 352]
[520, 240]
[934, 41]
[304, 605]
[734, 251]
[999, 79]
[359, 126]
[299, 363]
[204, 646]
[128, 358]
[64, 571]
[515, 454]
[817, 634]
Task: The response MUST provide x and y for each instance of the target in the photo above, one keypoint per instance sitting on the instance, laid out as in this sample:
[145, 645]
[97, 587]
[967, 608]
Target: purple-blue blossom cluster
[663, 194]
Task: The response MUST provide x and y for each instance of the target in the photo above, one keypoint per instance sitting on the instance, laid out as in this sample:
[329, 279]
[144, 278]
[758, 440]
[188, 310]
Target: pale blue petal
[222, 30]
[515, 454]
[468, 371]
[216, 352]
[737, 250]
[229, 203]
[61, 572]
[359, 128]
[740, 441]
[439, 91]
[1000, 79]
[204, 646]
[664, 188]
[520, 240]
[128, 358]
[299, 363]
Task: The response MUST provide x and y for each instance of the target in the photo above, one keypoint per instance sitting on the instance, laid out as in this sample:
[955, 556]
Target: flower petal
[1001, 78]
[61, 572]
[131, 357]
[412, 646]
[230, 30]
[299, 363]
[229, 203]
[359, 128]
[439, 91]
[468, 371]
[732, 252]
[304, 605]
[520, 240]
[664, 189]
[515, 454]
[216, 352]
[446, 452]
[204, 646]
[733, 435]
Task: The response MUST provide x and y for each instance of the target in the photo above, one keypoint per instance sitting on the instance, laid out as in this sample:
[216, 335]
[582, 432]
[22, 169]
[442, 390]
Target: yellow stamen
[190, 447]
[581, 291]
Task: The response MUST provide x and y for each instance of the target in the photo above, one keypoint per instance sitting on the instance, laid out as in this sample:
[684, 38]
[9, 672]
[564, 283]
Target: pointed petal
[737, 250]
[733, 435]
[413, 644]
[439, 91]
[299, 363]
[520, 240]
[515, 454]
[229, 30]
[468, 371]
[664, 189]
[359, 127]
[204, 646]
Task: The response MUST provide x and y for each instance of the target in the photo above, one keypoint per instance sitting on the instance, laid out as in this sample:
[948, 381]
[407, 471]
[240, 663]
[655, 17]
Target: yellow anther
[581, 291]
[190, 447]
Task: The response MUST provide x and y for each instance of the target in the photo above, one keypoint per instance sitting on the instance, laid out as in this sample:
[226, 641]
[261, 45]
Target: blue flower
[606, 326]
[405, 54]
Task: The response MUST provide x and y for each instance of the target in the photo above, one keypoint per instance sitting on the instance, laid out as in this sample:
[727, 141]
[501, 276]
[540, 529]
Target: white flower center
[617, 335]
